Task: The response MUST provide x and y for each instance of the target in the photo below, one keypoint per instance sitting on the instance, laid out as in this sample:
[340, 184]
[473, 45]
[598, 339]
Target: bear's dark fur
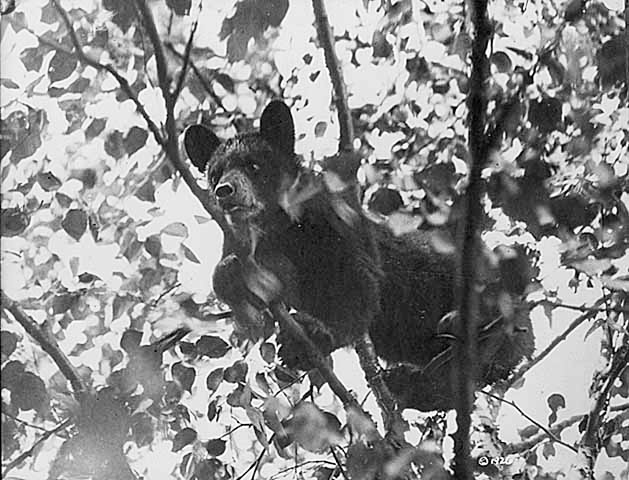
[343, 275]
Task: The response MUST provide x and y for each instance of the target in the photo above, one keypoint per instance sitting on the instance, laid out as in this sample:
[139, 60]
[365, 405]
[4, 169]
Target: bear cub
[343, 274]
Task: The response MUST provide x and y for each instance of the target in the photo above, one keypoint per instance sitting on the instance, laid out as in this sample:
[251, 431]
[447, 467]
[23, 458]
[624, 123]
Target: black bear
[344, 274]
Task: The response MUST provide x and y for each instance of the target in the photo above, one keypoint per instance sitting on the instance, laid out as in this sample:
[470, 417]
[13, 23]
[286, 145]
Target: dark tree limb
[364, 345]
[519, 373]
[324, 34]
[48, 344]
[589, 447]
[627, 48]
[171, 142]
[39, 441]
[466, 351]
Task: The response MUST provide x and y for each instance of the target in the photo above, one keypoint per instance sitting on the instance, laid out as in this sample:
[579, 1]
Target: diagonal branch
[518, 374]
[39, 441]
[186, 56]
[48, 344]
[204, 82]
[87, 60]
[547, 431]
[324, 33]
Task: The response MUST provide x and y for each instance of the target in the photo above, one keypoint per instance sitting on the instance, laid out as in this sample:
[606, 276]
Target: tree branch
[548, 432]
[324, 33]
[364, 345]
[48, 344]
[204, 82]
[186, 57]
[589, 446]
[519, 373]
[556, 429]
[84, 58]
[40, 440]
[466, 351]
[171, 143]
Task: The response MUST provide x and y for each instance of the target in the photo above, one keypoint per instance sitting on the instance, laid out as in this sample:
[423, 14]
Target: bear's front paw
[293, 353]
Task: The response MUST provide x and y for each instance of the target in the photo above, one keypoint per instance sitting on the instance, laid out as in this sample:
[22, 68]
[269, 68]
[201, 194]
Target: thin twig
[324, 34]
[30, 451]
[549, 433]
[556, 429]
[84, 58]
[171, 144]
[518, 374]
[580, 308]
[48, 344]
[207, 86]
[186, 56]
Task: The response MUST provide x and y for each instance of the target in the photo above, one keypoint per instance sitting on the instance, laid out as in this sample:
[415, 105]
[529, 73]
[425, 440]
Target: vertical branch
[627, 47]
[324, 33]
[171, 142]
[466, 351]
[364, 345]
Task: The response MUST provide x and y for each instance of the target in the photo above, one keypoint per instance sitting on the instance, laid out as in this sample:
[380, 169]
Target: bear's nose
[224, 190]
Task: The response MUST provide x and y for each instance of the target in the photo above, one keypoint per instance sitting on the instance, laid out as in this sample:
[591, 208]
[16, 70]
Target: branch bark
[589, 447]
[48, 344]
[364, 345]
[326, 39]
[466, 351]
[171, 142]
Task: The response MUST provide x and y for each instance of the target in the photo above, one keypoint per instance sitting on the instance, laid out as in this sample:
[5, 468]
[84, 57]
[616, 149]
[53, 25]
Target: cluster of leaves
[101, 252]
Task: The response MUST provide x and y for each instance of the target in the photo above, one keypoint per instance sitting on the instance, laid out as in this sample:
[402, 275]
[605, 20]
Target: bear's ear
[277, 127]
[200, 143]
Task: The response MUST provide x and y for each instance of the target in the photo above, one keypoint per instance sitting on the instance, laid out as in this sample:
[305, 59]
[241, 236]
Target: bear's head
[249, 172]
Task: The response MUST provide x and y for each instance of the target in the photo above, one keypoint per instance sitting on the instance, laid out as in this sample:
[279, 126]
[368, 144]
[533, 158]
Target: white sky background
[568, 370]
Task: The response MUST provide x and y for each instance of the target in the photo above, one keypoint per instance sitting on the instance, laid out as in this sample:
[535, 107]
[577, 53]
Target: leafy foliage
[106, 251]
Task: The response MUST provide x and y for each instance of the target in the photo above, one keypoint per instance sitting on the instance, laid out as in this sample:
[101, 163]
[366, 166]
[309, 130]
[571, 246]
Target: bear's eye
[214, 177]
[254, 166]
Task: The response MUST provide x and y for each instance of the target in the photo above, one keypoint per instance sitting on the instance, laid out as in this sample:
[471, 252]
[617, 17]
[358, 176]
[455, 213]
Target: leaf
[226, 81]
[8, 342]
[146, 192]
[95, 128]
[212, 346]
[29, 393]
[61, 66]
[176, 229]
[32, 58]
[130, 341]
[75, 223]
[187, 253]
[267, 351]
[94, 225]
[556, 401]
[183, 438]
[236, 373]
[180, 7]
[548, 450]
[214, 379]
[135, 140]
[153, 245]
[64, 302]
[13, 221]
[11, 374]
[320, 128]
[47, 181]
[212, 410]
[215, 447]
[8, 83]
[183, 375]
[114, 145]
